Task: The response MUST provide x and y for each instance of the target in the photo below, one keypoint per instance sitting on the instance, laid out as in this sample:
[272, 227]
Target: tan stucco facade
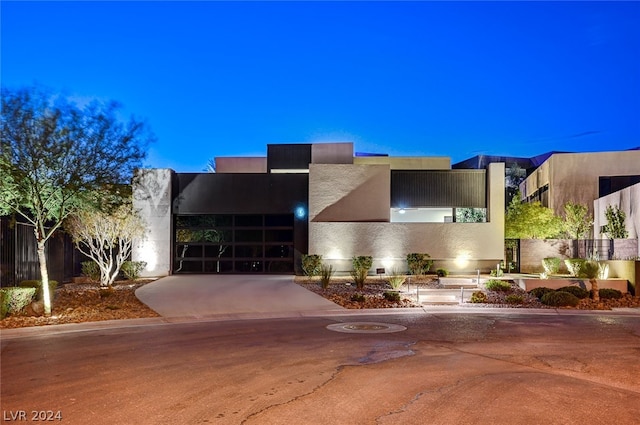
[349, 193]
[347, 218]
[574, 177]
[240, 164]
[332, 153]
[406, 163]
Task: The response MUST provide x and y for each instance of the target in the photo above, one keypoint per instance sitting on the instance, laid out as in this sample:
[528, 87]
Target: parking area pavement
[214, 295]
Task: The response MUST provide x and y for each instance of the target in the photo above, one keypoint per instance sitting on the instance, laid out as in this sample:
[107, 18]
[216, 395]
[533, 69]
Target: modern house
[581, 178]
[261, 214]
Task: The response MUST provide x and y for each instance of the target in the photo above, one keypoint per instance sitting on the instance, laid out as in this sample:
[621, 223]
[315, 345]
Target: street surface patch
[366, 327]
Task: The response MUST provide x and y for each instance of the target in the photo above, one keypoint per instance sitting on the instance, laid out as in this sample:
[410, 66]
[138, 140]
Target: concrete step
[441, 296]
[458, 282]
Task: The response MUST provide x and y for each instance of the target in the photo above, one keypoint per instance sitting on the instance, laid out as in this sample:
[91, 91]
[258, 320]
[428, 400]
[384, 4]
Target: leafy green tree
[576, 222]
[57, 158]
[531, 221]
[615, 227]
[471, 215]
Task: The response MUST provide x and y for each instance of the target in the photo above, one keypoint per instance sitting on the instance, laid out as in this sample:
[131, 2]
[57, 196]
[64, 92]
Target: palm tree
[591, 270]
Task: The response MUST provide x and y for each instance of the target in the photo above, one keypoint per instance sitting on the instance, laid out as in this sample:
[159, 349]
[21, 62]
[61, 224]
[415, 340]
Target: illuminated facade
[260, 215]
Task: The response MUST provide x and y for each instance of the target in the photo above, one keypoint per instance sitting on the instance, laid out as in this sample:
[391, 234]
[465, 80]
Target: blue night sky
[453, 79]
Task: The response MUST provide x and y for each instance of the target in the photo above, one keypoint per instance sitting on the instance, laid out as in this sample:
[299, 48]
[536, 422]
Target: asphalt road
[449, 368]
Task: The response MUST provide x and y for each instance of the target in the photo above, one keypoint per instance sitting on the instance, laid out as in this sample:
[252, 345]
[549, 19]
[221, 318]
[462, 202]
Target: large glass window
[227, 243]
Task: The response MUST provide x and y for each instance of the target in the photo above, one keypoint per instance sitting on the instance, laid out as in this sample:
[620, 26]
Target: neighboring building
[479, 162]
[579, 177]
[628, 200]
[260, 215]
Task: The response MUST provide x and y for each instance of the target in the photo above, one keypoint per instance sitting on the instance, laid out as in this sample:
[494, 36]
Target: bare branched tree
[106, 238]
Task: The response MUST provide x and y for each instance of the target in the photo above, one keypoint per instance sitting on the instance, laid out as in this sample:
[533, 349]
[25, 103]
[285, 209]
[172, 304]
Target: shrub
[311, 264]
[590, 269]
[359, 277]
[575, 290]
[419, 263]
[551, 265]
[574, 265]
[514, 299]
[496, 273]
[478, 297]
[13, 300]
[497, 285]
[37, 285]
[392, 296]
[91, 270]
[396, 279]
[326, 272]
[359, 298]
[539, 292]
[361, 266]
[609, 293]
[132, 269]
[560, 299]
[442, 272]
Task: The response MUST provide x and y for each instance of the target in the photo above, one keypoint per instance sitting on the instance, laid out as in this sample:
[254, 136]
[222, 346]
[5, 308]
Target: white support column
[152, 199]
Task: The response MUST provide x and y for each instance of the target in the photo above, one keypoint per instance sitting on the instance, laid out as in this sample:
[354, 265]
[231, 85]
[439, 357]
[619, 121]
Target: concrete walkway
[211, 295]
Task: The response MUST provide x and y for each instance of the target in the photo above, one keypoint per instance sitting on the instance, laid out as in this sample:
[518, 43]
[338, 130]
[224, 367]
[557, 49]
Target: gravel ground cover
[342, 290]
[77, 303]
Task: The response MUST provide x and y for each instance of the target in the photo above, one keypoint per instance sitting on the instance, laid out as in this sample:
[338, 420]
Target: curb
[49, 330]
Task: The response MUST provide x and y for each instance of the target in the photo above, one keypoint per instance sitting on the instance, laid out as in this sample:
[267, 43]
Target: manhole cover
[366, 327]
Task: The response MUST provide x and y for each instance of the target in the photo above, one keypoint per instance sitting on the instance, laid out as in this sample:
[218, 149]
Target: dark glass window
[218, 251]
[226, 243]
[279, 251]
[278, 235]
[249, 221]
[248, 235]
[218, 266]
[249, 251]
[187, 266]
[278, 220]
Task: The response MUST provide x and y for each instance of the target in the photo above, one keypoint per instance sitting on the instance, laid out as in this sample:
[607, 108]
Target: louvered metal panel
[211, 193]
[438, 188]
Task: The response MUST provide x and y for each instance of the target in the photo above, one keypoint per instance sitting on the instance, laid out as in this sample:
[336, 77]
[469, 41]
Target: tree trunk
[44, 277]
[595, 293]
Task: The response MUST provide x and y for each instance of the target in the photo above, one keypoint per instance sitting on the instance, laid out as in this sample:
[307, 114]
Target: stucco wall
[332, 153]
[628, 200]
[407, 163]
[340, 192]
[241, 164]
[152, 198]
[573, 177]
[472, 244]
[532, 251]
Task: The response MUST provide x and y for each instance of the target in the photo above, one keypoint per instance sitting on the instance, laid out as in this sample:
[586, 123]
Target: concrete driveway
[213, 295]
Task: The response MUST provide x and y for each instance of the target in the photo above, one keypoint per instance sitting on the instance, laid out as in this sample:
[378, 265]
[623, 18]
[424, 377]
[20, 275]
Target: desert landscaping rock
[78, 303]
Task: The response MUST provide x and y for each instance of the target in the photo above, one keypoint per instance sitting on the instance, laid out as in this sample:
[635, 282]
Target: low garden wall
[532, 251]
[529, 284]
